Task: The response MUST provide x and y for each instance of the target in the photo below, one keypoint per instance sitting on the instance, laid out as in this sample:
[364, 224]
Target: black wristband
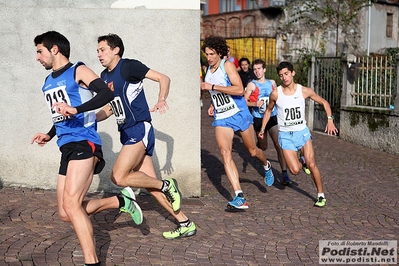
[213, 87]
[52, 132]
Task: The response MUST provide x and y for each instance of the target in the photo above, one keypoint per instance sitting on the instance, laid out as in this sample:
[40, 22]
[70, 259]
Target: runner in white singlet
[231, 114]
[294, 134]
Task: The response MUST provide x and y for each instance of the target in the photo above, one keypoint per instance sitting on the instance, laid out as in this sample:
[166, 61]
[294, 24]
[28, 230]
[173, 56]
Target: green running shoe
[305, 169]
[304, 166]
[131, 205]
[321, 202]
[173, 194]
[181, 231]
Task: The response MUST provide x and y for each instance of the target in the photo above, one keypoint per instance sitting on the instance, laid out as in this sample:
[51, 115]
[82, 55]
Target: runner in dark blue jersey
[130, 108]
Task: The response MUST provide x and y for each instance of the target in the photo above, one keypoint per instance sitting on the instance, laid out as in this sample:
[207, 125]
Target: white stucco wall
[166, 40]
[378, 23]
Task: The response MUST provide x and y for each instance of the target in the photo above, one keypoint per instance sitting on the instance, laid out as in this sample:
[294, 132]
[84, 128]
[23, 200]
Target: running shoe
[304, 166]
[269, 177]
[173, 194]
[131, 205]
[286, 179]
[238, 203]
[181, 231]
[321, 202]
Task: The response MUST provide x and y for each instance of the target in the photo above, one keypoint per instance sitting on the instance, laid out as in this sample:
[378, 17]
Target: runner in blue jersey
[125, 78]
[257, 96]
[231, 114]
[69, 94]
[294, 135]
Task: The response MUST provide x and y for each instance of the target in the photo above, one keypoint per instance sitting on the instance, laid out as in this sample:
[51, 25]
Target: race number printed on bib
[117, 109]
[293, 116]
[263, 107]
[222, 102]
[54, 95]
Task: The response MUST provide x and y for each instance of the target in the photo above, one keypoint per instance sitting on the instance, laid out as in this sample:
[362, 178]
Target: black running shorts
[78, 151]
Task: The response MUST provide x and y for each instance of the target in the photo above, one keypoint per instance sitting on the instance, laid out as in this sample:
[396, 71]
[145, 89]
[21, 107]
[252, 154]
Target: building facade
[274, 30]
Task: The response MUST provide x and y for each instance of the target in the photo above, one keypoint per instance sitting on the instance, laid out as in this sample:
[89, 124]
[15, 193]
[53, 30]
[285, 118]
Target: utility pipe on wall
[368, 29]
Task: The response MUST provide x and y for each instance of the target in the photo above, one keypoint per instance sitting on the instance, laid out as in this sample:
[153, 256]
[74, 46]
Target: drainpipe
[368, 29]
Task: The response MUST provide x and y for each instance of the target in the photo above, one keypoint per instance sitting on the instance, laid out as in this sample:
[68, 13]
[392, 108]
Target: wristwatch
[330, 117]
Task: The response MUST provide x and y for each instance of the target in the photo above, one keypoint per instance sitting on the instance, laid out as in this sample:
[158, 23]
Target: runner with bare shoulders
[231, 114]
[294, 134]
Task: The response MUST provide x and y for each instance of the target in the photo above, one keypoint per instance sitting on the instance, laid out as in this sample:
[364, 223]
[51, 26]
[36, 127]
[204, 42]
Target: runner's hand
[211, 110]
[41, 139]
[161, 107]
[261, 134]
[64, 109]
[330, 128]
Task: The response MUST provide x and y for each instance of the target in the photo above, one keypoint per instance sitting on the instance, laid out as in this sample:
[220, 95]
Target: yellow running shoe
[321, 202]
[181, 231]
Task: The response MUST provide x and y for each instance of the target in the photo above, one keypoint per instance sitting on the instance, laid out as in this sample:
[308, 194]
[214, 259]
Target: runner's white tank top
[225, 105]
[291, 110]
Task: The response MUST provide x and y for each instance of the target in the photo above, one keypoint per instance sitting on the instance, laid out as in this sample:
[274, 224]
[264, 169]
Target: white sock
[185, 223]
[238, 192]
[267, 166]
[165, 185]
[320, 195]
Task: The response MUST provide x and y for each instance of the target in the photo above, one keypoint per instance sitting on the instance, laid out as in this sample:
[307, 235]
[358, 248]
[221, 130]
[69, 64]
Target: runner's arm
[235, 88]
[164, 85]
[269, 110]
[330, 127]
[87, 78]
[103, 96]
[104, 113]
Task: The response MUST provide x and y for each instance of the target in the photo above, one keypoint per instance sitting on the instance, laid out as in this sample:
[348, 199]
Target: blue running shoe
[269, 177]
[238, 203]
[286, 179]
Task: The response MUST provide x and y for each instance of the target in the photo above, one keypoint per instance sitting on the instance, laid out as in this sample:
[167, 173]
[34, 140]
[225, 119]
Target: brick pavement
[281, 227]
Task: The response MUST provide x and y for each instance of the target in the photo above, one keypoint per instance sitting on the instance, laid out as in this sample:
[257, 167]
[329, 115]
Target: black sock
[121, 200]
[93, 264]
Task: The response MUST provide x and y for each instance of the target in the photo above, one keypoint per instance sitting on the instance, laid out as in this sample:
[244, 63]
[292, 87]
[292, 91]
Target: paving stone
[281, 226]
